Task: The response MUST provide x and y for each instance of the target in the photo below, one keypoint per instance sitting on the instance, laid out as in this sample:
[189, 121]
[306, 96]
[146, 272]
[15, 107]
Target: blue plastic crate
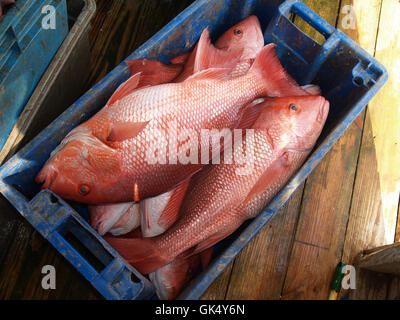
[26, 49]
[349, 77]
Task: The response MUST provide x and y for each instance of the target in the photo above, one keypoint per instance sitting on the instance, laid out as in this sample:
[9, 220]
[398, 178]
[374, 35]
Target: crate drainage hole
[84, 252]
[53, 199]
[134, 279]
[358, 81]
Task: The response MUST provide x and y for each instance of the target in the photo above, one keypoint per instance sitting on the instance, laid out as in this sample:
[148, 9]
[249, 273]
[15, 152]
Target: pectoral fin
[125, 130]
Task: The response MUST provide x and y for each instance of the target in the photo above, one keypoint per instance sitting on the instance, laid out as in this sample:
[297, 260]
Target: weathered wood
[118, 28]
[259, 271]
[324, 210]
[217, 290]
[385, 117]
[373, 214]
[122, 27]
[384, 259]
[327, 9]
[394, 289]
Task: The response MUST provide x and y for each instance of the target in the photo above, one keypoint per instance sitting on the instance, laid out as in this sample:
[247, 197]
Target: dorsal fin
[124, 89]
[207, 55]
[213, 73]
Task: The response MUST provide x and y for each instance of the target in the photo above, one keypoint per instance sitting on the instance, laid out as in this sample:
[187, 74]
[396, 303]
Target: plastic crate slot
[91, 243]
[307, 29]
[75, 243]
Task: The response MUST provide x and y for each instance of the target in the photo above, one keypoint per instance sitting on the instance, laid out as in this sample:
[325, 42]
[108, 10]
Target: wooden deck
[348, 204]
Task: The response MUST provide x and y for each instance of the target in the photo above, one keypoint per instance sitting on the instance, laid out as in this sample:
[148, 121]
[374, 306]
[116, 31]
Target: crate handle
[299, 8]
[54, 218]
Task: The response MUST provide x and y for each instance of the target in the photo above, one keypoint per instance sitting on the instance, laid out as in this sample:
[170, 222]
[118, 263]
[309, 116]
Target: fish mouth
[47, 176]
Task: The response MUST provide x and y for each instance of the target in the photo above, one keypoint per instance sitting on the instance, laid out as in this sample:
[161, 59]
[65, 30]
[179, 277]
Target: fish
[219, 199]
[244, 38]
[117, 218]
[170, 279]
[246, 35]
[105, 159]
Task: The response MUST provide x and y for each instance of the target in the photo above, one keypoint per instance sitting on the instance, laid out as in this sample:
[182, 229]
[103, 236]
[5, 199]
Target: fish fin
[205, 257]
[181, 59]
[159, 213]
[171, 212]
[104, 217]
[208, 55]
[124, 89]
[312, 89]
[121, 131]
[250, 114]
[150, 211]
[128, 222]
[269, 176]
[277, 82]
[153, 72]
[143, 254]
[212, 73]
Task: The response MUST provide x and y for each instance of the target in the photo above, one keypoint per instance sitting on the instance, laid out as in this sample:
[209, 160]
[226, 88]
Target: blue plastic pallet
[26, 49]
[349, 77]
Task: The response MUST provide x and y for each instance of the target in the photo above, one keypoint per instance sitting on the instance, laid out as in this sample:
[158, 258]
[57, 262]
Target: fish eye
[292, 107]
[237, 31]
[84, 189]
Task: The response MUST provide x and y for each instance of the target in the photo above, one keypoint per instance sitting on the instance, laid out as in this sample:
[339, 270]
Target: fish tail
[143, 254]
[276, 81]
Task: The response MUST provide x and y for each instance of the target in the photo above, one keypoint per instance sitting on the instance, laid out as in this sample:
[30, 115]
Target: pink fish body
[246, 36]
[105, 160]
[170, 279]
[219, 200]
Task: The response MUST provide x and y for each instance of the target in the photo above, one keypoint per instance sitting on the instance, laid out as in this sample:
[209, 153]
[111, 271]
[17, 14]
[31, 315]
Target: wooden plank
[327, 9]
[324, 211]
[259, 271]
[384, 259]
[394, 289]
[217, 290]
[375, 197]
[397, 237]
[322, 224]
[385, 117]
[126, 25]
